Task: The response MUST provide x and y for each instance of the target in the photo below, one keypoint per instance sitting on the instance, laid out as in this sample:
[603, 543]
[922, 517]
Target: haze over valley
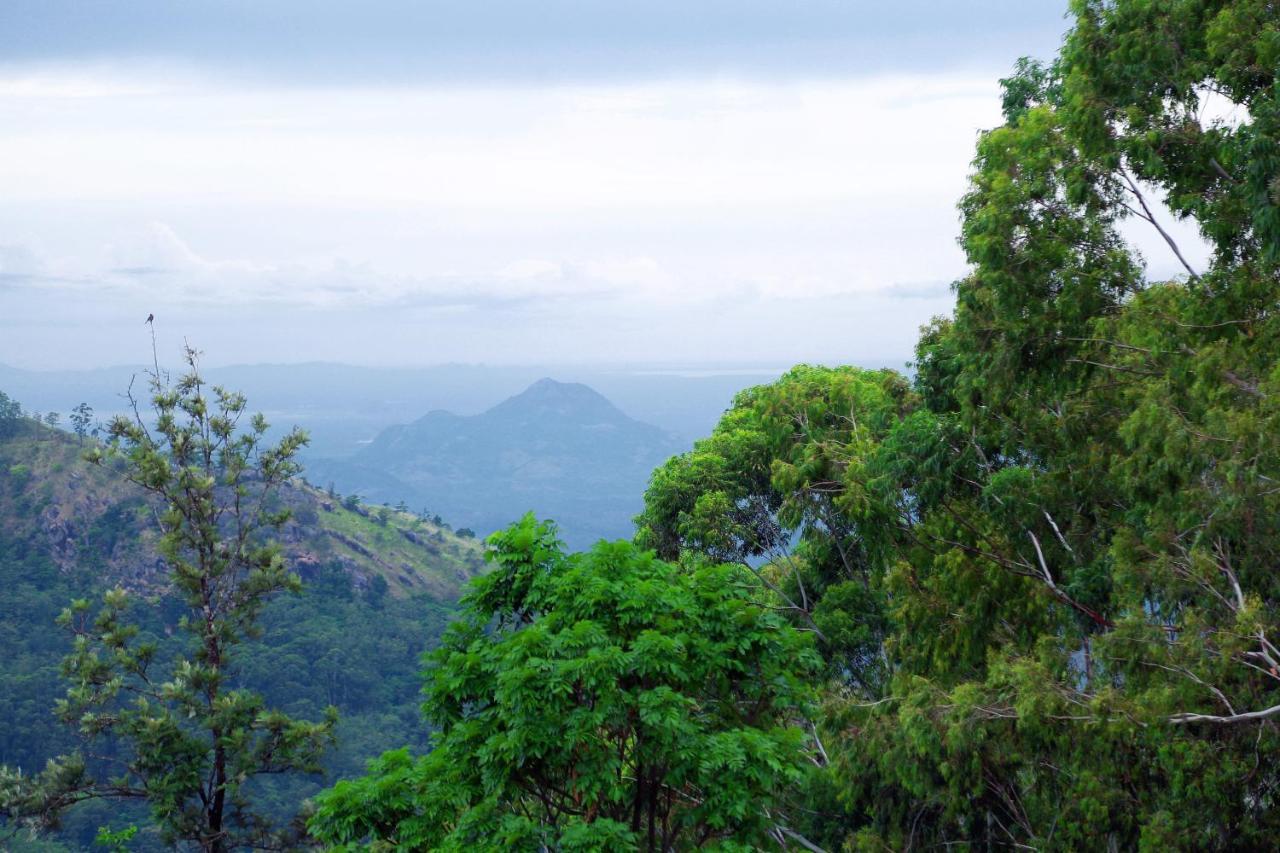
[476, 446]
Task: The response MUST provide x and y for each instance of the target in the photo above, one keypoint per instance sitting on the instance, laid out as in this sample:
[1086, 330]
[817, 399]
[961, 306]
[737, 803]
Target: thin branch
[1228, 718]
[1058, 533]
[1117, 367]
[1097, 618]
[818, 742]
[1244, 384]
[801, 840]
[1150, 217]
[1222, 173]
[808, 617]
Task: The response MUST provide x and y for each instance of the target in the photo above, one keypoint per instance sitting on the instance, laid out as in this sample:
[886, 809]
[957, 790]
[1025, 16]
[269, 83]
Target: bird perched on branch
[150, 318]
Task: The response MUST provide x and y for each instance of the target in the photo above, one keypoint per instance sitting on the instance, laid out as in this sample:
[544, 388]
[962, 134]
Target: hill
[559, 449]
[85, 516]
[379, 588]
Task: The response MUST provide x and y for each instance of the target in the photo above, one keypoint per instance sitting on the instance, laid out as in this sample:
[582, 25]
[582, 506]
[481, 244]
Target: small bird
[150, 318]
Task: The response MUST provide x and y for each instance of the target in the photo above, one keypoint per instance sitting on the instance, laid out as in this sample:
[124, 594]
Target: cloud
[156, 250]
[156, 265]
[82, 83]
[710, 215]
[701, 143]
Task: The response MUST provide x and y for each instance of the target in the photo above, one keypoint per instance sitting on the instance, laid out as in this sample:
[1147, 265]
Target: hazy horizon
[691, 369]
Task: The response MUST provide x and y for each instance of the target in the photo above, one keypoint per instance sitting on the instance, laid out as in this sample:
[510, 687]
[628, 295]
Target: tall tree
[781, 487]
[81, 418]
[1084, 596]
[188, 742]
[1076, 528]
[598, 701]
[10, 415]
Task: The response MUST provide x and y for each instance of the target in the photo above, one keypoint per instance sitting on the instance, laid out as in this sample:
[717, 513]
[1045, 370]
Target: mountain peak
[547, 387]
[571, 400]
[559, 448]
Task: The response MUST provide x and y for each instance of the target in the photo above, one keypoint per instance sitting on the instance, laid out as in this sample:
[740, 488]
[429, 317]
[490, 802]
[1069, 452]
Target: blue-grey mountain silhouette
[559, 449]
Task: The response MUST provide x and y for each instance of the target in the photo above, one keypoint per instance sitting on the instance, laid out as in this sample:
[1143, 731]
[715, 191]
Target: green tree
[783, 486]
[81, 418]
[189, 743]
[1083, 592]
[1071, 521]
[604, 700]
[10, 415]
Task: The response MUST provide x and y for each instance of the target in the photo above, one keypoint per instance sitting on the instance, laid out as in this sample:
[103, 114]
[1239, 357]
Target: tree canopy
[1067, 525]
[602, 700]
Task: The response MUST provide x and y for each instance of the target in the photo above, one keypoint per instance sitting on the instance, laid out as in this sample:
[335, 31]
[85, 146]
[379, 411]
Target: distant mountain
[559, 449]
[344, 407]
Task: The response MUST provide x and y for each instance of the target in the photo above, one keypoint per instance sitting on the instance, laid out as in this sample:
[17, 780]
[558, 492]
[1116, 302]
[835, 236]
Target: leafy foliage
[1069, 525]
[193, 740]
[71, 530]
[603, 700]
[785, 486]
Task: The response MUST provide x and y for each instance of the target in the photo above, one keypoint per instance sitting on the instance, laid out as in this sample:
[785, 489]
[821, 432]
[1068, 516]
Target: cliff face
[88, 518]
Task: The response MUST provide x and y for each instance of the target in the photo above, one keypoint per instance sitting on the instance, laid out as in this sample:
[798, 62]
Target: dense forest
[1024, 597]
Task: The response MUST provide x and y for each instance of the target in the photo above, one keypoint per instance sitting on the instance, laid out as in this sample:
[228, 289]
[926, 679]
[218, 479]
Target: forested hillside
[85, 517]
[379, 586]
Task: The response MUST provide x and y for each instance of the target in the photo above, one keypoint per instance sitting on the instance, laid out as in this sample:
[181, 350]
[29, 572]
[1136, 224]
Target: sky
[408, 183]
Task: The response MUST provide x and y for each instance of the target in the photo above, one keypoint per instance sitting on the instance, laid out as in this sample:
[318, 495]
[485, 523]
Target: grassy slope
[89, 517]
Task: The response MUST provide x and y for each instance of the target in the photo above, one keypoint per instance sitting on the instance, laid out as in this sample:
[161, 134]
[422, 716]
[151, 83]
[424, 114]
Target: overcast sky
[501, 182]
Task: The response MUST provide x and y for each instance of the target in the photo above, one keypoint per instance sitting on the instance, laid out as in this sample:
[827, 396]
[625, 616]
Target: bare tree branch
[1150, 217]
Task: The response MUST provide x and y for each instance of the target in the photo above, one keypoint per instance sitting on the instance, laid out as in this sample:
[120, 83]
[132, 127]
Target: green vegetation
[373, 598]
[769, 489]
[1053, 557]
[1025, 598]
[187, 740]
[333, 644]
[1040, 574]
[597, 701]
[10, 415]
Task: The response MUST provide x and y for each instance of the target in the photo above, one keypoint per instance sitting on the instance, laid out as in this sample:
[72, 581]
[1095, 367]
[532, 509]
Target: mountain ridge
[83, 515]
[559, 449]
